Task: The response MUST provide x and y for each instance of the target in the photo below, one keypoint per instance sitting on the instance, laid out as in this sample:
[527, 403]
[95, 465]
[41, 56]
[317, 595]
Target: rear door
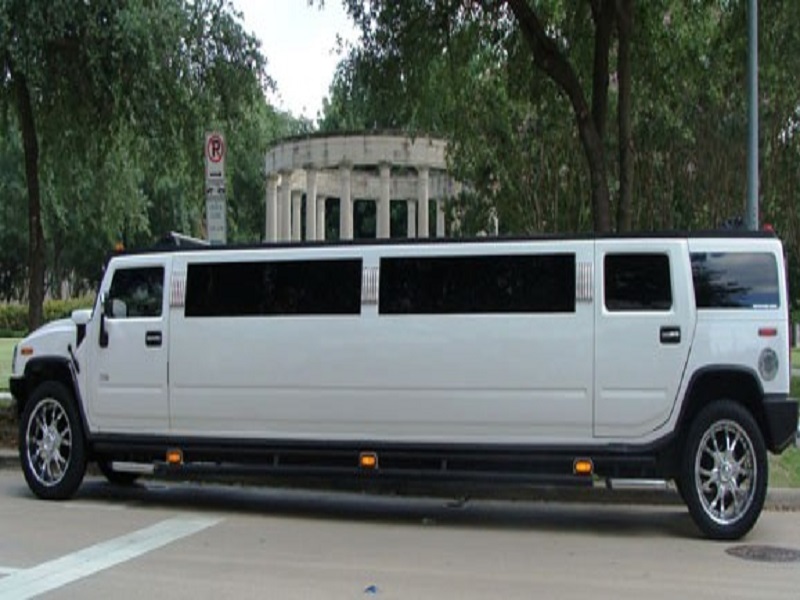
[644, 326]
[128, 386]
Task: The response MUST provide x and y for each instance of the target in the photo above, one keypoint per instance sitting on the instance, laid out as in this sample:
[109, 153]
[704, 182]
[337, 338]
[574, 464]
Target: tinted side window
[319, 287]
[735, 280]
[637, 282]
[478, 284]
[136, 292]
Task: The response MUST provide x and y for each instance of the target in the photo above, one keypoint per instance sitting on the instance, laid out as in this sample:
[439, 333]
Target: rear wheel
[724, 471]
[52, 449]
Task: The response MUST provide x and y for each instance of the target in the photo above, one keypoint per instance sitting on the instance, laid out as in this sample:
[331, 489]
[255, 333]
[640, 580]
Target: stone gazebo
[354, 167]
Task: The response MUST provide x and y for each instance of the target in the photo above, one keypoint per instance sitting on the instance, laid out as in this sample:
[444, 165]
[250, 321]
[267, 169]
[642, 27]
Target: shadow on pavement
[548, 514]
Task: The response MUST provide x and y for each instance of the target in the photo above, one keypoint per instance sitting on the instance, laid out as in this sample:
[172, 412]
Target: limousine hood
[51, 339]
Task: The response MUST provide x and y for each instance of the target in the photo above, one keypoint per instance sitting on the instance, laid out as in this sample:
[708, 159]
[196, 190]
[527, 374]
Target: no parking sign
[215, 157]
[216, 206]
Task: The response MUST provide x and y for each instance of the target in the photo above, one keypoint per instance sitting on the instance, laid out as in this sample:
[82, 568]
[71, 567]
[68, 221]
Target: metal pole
[752, 125]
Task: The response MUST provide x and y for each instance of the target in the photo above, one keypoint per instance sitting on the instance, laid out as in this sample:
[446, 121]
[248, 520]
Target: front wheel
[724, 471]
[52, 449]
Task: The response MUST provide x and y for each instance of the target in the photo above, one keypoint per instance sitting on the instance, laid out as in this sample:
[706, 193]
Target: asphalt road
[161, 540]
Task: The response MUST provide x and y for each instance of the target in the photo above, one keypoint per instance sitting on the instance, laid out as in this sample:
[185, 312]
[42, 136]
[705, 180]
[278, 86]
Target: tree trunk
[603, 17]
[549, 59]
[626, 150]
[36, 250]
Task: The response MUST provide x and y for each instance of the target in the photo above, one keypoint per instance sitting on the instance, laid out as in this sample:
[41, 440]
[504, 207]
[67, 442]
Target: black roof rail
[174, 240]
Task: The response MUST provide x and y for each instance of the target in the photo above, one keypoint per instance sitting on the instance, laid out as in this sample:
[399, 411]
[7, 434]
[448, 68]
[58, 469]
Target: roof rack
[178, 240]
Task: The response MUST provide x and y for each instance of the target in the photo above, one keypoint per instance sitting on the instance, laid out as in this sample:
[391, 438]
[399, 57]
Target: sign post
[216, 206]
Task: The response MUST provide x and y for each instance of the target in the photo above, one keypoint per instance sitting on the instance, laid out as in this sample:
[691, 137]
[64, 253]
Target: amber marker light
[368, 460]
[174, 456]
[26, 351]
[583, 466]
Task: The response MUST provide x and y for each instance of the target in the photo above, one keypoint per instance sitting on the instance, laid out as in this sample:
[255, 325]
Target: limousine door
[128, 382]
[644, 325]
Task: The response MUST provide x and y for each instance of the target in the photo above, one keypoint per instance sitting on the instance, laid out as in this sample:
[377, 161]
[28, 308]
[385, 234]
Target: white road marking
[26, 583]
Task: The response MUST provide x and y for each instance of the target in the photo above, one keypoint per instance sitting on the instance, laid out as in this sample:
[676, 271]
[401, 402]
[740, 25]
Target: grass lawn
[784, 470]
[796, 358]
[6, 349]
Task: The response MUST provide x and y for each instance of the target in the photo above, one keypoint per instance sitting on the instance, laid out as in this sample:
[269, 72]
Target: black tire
[52, 447]
[116, 477]
[724, 471]
[679, 489]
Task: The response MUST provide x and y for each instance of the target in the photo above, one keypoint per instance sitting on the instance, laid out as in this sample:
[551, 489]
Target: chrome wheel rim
[48, 442]
[726, 472]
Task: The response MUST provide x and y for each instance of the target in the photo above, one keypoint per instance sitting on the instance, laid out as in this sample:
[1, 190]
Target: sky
[299, 42]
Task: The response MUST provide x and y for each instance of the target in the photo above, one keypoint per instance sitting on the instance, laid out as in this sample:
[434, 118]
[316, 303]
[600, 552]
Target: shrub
[14, 317]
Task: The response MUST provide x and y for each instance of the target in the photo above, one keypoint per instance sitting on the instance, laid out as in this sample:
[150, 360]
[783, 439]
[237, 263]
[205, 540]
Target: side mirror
[103, 337]
[81, 316]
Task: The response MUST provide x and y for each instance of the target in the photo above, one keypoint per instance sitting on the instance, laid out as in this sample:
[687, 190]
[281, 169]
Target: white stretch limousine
[498, 360]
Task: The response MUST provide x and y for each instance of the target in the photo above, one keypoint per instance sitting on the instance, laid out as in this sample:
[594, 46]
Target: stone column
[423, 228]
[383, 226]
[311, 203]
[286, 206]
[321, 218]
[346, 204]
[440, 217]
[494, 222]
[411, 226]
[271, 225]
[297, 219]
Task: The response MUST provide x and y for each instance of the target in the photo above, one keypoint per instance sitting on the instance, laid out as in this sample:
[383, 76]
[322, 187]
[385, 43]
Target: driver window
[136, 292]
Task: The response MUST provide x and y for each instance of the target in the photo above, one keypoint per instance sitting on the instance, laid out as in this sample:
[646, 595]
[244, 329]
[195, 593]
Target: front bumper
[780, 414]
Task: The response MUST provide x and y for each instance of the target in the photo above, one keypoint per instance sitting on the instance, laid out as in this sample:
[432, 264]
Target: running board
[133, 467]
[638, 484]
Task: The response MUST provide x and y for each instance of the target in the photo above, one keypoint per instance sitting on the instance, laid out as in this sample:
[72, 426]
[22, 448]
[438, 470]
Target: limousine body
[522, 360]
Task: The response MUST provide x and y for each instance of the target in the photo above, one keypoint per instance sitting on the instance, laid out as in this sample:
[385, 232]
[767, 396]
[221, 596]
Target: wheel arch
[738, 384]
[61, 370]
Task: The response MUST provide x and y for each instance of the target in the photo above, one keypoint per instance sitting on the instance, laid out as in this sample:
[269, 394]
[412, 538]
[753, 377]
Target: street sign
[215, 156]
[215, 216]
[216, 209]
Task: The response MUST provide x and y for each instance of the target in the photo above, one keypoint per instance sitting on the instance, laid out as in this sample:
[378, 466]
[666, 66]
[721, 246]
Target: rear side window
[136, 292]
[285, 288]
[735, 280]
[637, 282]
[478, 284]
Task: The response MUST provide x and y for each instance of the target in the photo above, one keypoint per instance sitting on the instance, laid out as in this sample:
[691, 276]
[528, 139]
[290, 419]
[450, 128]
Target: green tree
[455, 70]
[13, 239]
[85, 78]
[406, 39]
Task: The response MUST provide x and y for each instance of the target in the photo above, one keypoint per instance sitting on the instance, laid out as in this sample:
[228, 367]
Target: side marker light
[583, 466]
[368, 460]
[174, 456]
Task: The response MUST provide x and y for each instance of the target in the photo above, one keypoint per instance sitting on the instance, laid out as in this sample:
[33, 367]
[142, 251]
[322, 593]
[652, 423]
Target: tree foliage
[104, 106]
[466, 70]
